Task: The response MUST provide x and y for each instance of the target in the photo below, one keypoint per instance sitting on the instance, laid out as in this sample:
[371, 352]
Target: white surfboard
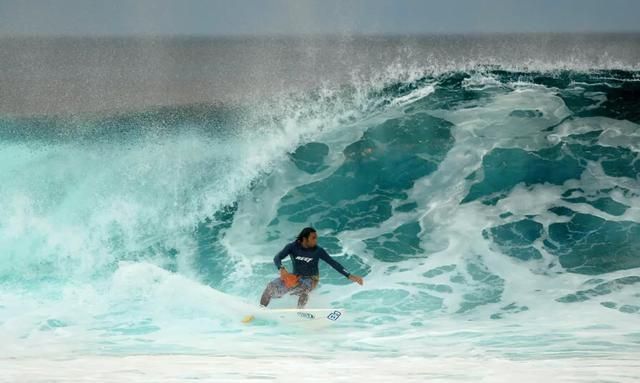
[325, 315]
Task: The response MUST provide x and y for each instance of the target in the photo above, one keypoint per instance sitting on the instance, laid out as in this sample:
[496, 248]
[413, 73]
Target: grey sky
[255, 17]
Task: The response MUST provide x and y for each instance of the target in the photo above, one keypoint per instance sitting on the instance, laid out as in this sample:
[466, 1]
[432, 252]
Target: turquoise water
[490, 212]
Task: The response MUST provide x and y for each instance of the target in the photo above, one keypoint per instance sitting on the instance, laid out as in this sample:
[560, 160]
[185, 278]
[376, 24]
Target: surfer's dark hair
[305, 233]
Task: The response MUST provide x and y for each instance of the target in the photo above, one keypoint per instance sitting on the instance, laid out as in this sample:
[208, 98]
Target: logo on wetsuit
[306, 259]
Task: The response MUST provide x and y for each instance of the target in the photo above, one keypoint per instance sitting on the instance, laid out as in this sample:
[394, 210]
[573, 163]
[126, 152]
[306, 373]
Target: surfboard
[325, 315]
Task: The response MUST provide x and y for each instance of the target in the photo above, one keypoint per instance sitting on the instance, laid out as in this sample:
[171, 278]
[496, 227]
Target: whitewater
[492, 209]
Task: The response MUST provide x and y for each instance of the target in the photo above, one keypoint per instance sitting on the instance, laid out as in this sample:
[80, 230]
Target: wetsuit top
[305, 260]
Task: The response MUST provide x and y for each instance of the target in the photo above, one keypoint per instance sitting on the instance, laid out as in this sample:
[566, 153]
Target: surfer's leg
[304, 288]
[275, 289]
[302, 300]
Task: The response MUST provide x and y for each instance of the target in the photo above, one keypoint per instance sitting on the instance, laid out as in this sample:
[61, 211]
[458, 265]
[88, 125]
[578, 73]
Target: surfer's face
[311, 240]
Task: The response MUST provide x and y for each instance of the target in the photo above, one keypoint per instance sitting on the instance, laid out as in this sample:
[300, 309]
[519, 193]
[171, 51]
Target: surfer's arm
[333, 263]
[281, 255]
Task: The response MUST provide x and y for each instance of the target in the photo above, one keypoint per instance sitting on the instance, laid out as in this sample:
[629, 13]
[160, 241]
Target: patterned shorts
[305, 285]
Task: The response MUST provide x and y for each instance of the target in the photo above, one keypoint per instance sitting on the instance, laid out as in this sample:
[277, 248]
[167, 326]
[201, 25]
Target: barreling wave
[485, 194]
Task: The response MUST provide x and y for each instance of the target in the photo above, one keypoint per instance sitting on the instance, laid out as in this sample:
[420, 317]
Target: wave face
[486, 209]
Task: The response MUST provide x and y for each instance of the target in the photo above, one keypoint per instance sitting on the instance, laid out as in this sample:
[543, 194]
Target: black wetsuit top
[305, 260]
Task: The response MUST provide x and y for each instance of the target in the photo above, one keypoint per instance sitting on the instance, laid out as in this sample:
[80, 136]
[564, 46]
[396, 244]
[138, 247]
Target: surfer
[305, 254]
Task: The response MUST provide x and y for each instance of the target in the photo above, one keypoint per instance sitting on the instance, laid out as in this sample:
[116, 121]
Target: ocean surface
[487, 188]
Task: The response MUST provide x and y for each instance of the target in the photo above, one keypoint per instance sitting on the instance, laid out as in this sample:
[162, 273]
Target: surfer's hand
[283, 273]
[356, 279]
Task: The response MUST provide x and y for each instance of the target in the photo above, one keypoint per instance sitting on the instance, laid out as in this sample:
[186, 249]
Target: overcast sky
[293, 17]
